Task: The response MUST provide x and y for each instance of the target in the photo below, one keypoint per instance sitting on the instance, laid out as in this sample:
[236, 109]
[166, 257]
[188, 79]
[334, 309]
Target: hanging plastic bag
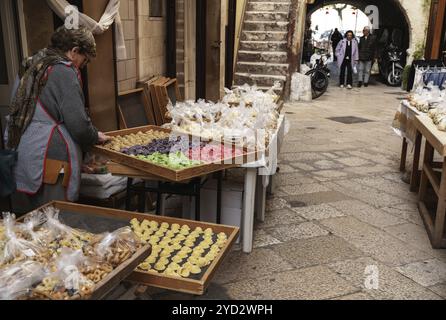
[375, 68]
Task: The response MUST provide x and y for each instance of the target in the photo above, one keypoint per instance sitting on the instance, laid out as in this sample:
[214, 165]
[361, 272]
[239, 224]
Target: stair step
[279, 6]
[262, 88]
[265, 25]
[267, 56]
[264, 80]
[276, 69]
[266, 16]
[264, 45]
[264, 36]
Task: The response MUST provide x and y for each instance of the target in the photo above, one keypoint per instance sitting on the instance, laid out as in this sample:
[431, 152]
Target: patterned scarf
[31, 85]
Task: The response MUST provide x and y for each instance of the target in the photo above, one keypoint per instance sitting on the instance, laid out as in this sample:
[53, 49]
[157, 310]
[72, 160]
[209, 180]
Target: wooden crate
[122, 218]
[156, 170]
[121, 272]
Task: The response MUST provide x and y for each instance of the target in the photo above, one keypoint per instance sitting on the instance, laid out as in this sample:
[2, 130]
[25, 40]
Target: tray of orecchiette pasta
[184, 255]
[58, 252]
[171, 155]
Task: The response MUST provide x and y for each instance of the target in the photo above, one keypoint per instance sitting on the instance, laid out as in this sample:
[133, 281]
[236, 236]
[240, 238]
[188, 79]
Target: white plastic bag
[301, 87]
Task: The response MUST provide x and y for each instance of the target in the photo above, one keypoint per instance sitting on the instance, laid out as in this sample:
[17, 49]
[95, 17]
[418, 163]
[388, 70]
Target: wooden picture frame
[156, 103]
[134, 109]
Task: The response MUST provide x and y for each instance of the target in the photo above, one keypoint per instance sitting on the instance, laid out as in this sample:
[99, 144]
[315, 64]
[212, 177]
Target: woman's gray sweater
[64, 100]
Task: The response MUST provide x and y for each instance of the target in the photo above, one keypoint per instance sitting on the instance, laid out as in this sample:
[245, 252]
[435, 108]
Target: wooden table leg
[415, 178]
[424, 183]
[248, 209]
[403, 156]
[441, 211]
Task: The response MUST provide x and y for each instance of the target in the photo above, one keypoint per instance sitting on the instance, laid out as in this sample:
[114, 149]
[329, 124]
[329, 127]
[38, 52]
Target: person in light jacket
[347, 52]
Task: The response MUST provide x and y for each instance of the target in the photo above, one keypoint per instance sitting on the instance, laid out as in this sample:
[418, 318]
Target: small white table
[258, 177]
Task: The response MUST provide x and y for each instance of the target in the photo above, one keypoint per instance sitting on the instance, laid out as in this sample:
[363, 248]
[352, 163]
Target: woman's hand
[102, 138]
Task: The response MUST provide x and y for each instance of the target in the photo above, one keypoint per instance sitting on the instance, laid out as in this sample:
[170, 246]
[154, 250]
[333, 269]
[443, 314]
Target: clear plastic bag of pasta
[17, 280]
[33, 230]
[16, 248]
[65, 280]
[67, 236]
[118, 246]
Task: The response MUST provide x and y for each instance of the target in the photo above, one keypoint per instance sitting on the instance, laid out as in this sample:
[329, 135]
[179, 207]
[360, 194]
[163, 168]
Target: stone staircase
[262, 57]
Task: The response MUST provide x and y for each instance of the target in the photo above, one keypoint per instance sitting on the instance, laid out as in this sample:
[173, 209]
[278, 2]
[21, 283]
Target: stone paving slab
[355, 297]
[317, 198]
[390, 285]
[427, 273]
[317, 251]
[280, 217]
[440, 290]
[291, 232]
[240, 266]
[416, 236]
[318, 212]
[293, 190]
[264, 239]
[374, 242]
[367, 213]
[304, 284]
[406, 211]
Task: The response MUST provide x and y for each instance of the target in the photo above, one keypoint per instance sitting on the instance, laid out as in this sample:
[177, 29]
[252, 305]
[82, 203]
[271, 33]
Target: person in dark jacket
[48, 124]
[367, 53]
[336, 37]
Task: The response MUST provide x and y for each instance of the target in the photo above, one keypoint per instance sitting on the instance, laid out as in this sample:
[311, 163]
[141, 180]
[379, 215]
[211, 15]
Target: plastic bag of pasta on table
[118, 246]
[33, 231]
[17, 249]
[17, 280]
[65, 280]
[65, 236]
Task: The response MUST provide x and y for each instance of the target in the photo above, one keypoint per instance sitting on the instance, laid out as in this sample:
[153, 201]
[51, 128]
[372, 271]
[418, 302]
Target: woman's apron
[33, 151]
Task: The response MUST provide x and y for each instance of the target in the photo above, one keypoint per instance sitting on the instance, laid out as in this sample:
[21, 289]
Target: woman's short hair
[65, 40]
[349, 31]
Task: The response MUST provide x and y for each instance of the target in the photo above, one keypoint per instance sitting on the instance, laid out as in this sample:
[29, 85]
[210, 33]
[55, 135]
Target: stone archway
[410, 16]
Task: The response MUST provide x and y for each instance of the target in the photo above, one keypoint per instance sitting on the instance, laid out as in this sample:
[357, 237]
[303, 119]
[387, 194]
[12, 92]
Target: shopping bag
[375, 68]
[8, 160]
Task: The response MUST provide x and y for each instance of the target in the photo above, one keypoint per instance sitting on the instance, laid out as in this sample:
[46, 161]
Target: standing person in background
[348, 55]
[336, 37]
[367, 53]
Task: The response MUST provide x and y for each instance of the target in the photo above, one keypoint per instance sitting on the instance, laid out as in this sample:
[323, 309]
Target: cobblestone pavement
[340, 213]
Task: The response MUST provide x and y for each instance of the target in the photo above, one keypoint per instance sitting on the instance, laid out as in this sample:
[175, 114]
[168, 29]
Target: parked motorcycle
[320, 75]
[390, 65]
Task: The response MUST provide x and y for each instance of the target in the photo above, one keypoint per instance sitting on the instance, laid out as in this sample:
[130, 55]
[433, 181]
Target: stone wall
[127, 69]
[151, 51]
[418, 18]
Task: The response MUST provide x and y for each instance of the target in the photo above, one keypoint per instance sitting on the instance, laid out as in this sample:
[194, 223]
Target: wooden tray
[121, 272]
[156, 170]
[118, 219]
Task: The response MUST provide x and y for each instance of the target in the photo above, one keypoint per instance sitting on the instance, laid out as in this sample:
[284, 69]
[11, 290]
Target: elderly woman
[48, 124]
[348, 55]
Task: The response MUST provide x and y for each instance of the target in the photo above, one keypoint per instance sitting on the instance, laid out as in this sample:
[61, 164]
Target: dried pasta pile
[44, 259]
[178, 251]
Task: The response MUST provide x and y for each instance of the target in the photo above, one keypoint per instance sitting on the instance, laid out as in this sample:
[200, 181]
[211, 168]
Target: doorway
[9, 58]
